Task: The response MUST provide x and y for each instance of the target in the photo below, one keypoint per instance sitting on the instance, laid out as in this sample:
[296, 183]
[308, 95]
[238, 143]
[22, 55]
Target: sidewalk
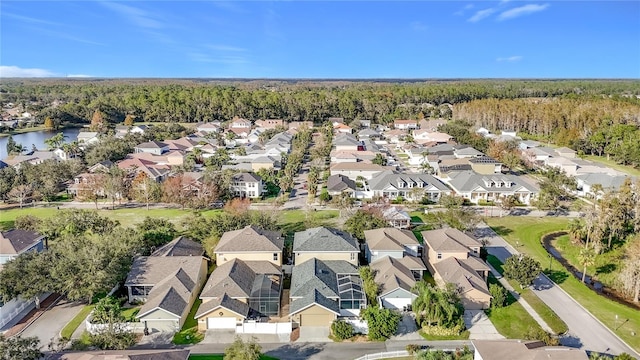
[522, 301]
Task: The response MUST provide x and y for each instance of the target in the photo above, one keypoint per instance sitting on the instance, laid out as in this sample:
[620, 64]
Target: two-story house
[454, 257]
[412, 186]
[152, 147]
[247, 185]
[324, 244]
[405, 124]
[250, 244]
[167, 282]
[494, 187]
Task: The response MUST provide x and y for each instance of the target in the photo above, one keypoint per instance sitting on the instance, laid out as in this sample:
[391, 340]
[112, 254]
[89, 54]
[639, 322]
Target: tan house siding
[432, 256]
[304, 256]
[255, 167]
[222, 258]
[475, 300]
[202, 322]
[314, 316]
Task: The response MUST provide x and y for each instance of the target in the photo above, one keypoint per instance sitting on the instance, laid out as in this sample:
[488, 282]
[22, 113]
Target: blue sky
[328, 39]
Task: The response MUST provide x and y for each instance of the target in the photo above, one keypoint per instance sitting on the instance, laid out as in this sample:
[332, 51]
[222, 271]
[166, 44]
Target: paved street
[585, 331]
[48, 326]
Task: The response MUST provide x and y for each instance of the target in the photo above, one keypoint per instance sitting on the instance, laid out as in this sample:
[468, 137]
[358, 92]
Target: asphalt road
[585, 332]
[48, 326]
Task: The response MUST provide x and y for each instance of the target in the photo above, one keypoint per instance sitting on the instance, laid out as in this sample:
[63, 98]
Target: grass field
[612, 164]
[549, 316]
[69, 329]
[512, 320]
[525, 233]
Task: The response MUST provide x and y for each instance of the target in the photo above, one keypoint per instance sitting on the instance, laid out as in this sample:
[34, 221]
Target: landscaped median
[525, 234]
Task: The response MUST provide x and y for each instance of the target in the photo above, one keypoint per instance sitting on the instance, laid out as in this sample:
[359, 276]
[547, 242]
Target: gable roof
[247, 177]
[340, 183]
[320, 275]
[180, 246]
[392, 274]
[152, 145]
[314, 298]
[389, 239]
[389, 178]
[226, 302]
[456, 271]
[151, 270]
[250, 239]
[525, 350]
[171, 294]
[236, 278]
[449, 240]
[15, 241]
[465, 181]
[323, 239]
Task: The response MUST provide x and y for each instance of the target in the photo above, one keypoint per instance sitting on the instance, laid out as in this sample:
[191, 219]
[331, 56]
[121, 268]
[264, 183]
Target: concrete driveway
[314, 334]
[407, 329]
[48, 326]
[479, 326]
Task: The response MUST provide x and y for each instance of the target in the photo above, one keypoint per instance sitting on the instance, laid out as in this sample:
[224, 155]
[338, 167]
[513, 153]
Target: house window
[439, 255]
[275, 256]
[353, 256]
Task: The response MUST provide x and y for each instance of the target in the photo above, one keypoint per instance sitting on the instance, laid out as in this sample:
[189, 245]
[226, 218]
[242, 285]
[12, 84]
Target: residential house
[155, 172]
[87, 185]
[395, 136]
[540, 154]
[453, 258]
[508, 349]
[183, 144]
[250, 244]
[336, 121]
[528, 144]
[342, 129]
[423, 136]
[396, 280]
[463, 151]
[392, 242]
[325, 244]
[339, 184]
[586, 183]
[566, 152]
[270, 123]
[358, 169]
[152, 147]
[180, 246]
[508, 135]
[365, 123]
[34, 158]
[483, 132]
[14, 243]
[405, 124]
[477, 187]
[323, 290]
[209, 127]
[101, 167]
[396, 217]
[485, 165]
[347, 142]
[296, 125]
[238, 290]
[368, 133]
[413, 186]
[88, 137]
[247, 185]
[238, 123]
[168, 283]
[431, 125]
[352, 156]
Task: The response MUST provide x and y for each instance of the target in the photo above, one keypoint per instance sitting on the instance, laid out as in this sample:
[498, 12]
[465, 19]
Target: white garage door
[396, 303]
[221, 323]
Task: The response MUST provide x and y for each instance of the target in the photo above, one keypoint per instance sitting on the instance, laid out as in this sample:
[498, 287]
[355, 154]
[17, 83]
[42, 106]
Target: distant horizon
[380, 79]
[493, 39]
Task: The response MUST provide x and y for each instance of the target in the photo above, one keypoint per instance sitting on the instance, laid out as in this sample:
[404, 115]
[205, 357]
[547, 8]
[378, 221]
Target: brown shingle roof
[391, 274]
[525, 350]
[455, 271]
[16, 240]
[250, 239]
[389, 239]
[449, 240]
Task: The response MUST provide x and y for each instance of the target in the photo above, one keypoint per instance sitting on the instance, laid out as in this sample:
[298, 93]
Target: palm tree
[576, 230]
[587, 257]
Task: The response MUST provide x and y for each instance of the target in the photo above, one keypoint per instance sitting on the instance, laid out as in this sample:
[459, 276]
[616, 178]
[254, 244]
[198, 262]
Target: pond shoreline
[596, 286]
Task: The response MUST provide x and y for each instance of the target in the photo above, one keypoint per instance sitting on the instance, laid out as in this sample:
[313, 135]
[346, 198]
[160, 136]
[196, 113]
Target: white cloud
[510, 58]
[462, 11]
[18, 72]
[521, 11]
[418, 26]
[481, 14]
[79, 76]
[137, 16]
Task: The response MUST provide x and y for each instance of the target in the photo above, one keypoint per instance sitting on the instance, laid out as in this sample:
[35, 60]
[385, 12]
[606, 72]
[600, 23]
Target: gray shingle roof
[16, 240]
[389, 239]
[323, 239]
[246, 177]
[315, 297]
[319, 275]
[346, 140]
[236, 278]
[340, 183]
[226, 302]
[180, 246]
[465, 181]
[449, 240]
[152, 145]
[250, 239]
[388, 178]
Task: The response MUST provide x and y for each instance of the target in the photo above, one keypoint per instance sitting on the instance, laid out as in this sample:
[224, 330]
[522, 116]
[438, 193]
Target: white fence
[385, 355]
[136, 327]
[264, 328]
[359, 326]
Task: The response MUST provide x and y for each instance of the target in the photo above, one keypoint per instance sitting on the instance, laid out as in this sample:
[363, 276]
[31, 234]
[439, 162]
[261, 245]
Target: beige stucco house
[250, 244]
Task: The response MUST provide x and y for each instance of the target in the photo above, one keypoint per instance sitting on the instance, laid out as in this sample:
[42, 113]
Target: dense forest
[592, 116]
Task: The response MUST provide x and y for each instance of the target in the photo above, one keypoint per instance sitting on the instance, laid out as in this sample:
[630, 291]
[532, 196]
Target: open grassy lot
[298, 220]
[525, 233]
[126, 217]
[557, 325]
[512, 320]
[612, 164]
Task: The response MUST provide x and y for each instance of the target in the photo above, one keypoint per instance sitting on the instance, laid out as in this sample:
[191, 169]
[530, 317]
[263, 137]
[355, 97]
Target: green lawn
[512, 320]
[126, 217]
[299, 220]
[69, 329]
[189, 333]
[612, 164]
[549, 316]
[526, 232]
[130, 314]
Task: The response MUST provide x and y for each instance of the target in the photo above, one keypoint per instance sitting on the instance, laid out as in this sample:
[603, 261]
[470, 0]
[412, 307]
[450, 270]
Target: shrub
[498, 294]
[436, 330]
[342, 330]
[383, 323]
[413, 349]
[536, 333]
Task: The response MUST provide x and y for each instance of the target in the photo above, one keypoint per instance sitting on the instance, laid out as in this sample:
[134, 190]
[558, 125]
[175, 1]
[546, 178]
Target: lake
[37, 138]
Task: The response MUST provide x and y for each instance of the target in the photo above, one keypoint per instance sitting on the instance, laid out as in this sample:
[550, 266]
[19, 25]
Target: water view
[37, 138]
